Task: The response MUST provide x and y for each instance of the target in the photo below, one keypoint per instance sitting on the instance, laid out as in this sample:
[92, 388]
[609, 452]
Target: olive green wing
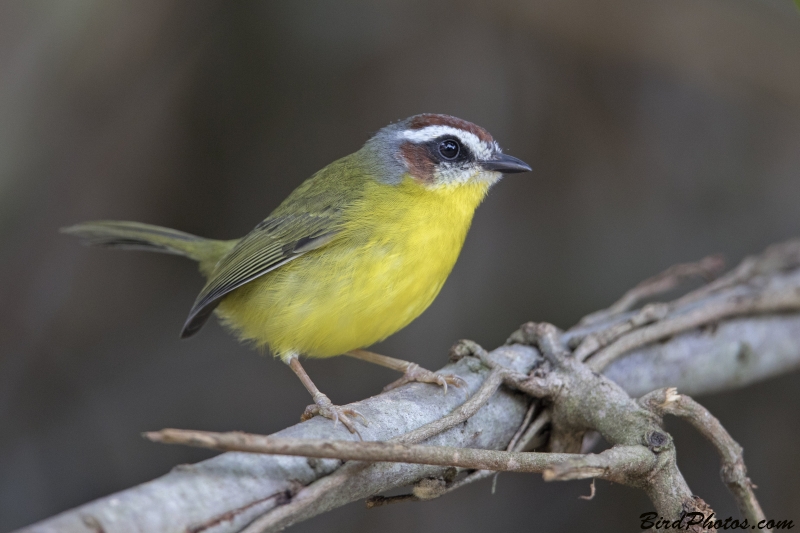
[307, 219]
[274, 242]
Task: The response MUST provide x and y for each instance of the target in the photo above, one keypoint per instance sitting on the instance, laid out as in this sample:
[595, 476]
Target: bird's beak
[505, 163]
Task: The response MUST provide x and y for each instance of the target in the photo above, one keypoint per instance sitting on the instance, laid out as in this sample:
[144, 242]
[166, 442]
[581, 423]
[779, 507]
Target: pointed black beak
[506, 164]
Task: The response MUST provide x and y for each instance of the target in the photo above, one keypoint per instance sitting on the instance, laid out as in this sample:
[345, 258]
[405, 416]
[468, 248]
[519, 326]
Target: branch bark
[710, 351]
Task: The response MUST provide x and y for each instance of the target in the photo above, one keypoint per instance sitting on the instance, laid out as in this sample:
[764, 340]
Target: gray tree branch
[700, 350]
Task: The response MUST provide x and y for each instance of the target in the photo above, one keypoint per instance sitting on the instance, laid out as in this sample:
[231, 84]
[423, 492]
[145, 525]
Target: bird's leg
[411, 371]
[322, 404]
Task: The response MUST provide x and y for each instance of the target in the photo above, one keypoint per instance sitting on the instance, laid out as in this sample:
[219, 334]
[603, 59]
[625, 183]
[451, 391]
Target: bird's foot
[324, 407]
[414, 372]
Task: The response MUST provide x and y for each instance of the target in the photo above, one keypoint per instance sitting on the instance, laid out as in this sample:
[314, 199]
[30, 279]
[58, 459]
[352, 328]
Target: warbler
[353, 255]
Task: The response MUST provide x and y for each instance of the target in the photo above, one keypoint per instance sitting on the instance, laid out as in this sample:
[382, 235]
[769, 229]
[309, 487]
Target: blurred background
[659, 132]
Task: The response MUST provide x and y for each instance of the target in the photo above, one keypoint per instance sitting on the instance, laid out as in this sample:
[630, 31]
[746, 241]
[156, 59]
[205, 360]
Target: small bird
[354, 254]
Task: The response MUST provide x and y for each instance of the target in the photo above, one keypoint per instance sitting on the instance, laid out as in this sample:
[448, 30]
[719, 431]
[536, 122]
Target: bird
[354, 254]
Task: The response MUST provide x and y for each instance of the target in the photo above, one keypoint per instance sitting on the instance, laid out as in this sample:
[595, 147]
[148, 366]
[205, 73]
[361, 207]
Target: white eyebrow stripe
[429, 133]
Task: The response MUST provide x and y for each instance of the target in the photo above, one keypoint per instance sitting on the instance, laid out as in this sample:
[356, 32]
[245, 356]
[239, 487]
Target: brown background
[659, 132]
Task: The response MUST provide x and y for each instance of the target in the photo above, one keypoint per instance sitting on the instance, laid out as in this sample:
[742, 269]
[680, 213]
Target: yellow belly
[385, 268]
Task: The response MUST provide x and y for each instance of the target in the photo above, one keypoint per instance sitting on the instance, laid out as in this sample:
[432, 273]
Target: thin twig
[460, 414]
[496, 460]
[595, 341]
[776, 258]
[774, 301]
[733, 471]
[707, 268]
[533, 431]
[620, 464]
[522, 427]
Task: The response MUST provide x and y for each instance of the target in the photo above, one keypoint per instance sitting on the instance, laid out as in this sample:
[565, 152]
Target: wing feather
[308, 219]
[273, 243]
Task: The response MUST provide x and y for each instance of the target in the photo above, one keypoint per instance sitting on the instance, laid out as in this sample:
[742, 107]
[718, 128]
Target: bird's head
[440, 150]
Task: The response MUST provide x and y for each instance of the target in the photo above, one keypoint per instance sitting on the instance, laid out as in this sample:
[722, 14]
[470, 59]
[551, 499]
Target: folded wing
[271, 244]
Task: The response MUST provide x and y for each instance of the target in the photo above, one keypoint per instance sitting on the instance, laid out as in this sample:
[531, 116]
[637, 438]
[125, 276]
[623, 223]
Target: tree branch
[741, 328]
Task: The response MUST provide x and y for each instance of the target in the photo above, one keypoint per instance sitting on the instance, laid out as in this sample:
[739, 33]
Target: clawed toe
[345, 415]
[346, 412]
[415, 373]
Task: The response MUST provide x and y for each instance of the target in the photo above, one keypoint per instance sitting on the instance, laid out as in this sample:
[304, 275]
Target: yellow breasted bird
[353, 255]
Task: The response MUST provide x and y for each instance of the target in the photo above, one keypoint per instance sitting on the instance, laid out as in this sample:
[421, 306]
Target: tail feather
[137, 236]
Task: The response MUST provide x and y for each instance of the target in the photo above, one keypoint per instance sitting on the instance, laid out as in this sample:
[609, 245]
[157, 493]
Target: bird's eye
[449, 149]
